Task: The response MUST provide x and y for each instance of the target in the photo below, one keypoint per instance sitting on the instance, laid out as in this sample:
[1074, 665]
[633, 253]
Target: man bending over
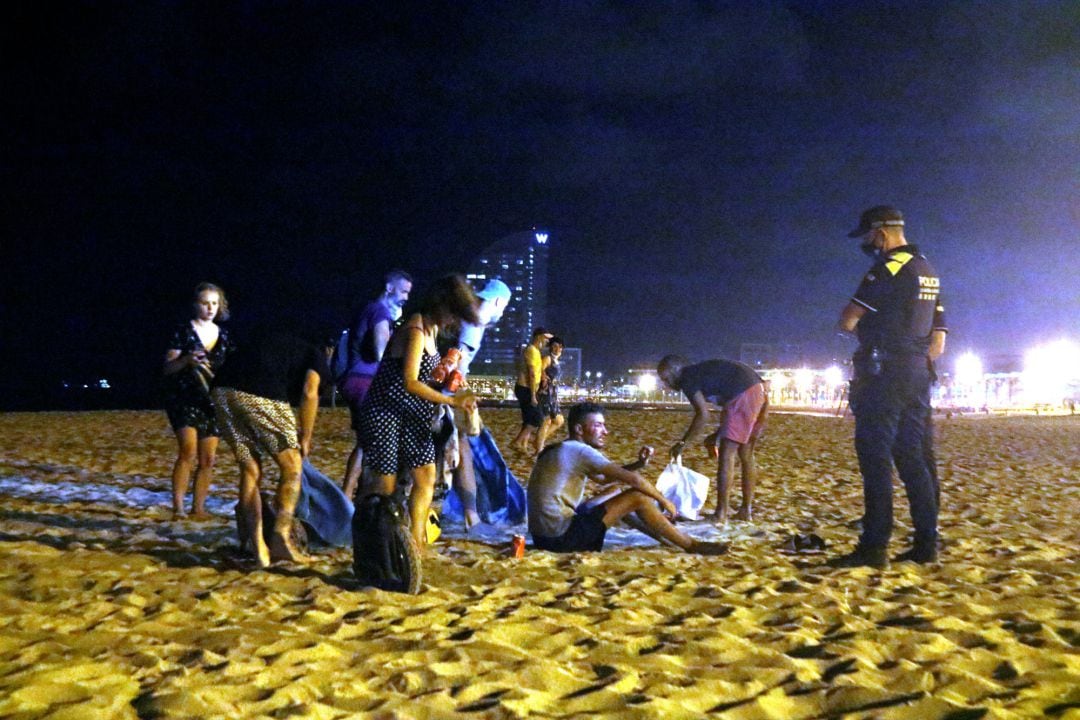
[558, 519]
[251, 398]
[740, 391]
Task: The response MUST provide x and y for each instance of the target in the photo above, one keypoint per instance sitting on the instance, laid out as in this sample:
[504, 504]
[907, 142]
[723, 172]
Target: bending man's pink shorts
[745, 415]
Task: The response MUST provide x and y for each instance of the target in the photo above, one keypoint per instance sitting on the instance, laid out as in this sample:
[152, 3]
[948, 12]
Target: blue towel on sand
[324, 508]
[500, 499]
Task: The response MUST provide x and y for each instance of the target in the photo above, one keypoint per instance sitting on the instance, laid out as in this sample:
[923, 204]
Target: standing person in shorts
[369, 333]
[559, 520]
[740, 392]
[251, 396]
[526, 386]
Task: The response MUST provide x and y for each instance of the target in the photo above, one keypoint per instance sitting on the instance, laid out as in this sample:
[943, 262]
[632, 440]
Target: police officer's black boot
[861, 557]
[921, 554]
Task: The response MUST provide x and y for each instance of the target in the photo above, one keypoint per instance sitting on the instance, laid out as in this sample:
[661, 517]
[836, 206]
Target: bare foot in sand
[744, 514]
[262, 554]
[717, 518]
[471, 518]
[201, 516]
[702, 547]
[282, 549]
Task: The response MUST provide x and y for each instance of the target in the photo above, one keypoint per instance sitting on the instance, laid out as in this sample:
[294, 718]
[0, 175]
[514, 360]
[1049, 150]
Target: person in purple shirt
[369, 334]
[740, 392]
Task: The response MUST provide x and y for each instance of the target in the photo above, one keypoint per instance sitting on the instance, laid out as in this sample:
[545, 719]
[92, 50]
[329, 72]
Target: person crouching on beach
[558, 519]
[251, 395]
[740, 391]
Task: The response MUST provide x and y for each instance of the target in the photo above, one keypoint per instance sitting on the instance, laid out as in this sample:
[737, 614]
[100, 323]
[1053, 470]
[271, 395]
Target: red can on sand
[517, 546]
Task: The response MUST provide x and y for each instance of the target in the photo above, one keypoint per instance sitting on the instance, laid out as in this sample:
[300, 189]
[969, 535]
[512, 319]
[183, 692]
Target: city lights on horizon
[804, 379]
[968, 368]
[1050, 375]
[1051, 371]
[646, 383]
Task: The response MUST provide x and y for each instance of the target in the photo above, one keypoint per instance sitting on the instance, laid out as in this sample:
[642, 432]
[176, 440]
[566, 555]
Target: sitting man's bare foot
[703, 547]
[744, 514]
[282, 549]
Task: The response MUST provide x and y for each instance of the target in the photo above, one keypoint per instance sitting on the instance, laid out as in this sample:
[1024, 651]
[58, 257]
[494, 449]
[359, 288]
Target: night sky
[697, 166]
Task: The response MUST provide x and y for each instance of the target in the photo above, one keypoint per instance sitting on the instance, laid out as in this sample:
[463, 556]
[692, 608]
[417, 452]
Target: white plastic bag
[685, 488]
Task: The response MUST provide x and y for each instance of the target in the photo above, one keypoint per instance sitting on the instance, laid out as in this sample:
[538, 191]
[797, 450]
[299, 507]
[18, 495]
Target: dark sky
[696, 164]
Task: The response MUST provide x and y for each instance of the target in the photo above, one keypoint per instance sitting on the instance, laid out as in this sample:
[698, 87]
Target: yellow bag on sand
[434, 527]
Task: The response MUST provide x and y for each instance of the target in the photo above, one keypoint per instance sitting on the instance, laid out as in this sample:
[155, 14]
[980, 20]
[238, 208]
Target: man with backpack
[358, 354]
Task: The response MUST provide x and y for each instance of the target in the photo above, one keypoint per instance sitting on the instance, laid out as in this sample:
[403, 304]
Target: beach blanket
[500, 498]
[324, 508]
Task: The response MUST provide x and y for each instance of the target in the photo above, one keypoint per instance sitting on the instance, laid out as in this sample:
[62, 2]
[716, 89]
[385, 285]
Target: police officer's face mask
[869, 247]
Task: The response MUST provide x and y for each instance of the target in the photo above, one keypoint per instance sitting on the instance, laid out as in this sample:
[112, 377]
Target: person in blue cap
[494, 299]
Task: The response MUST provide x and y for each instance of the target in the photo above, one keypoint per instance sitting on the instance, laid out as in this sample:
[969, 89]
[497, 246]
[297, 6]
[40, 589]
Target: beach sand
[110, 610]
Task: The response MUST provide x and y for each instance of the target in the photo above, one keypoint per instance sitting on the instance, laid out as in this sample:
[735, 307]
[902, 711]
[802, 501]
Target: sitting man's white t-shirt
[557, 485]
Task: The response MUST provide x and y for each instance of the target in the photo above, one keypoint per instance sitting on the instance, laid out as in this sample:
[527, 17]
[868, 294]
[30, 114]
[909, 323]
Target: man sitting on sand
[558, 519]
[740, 391]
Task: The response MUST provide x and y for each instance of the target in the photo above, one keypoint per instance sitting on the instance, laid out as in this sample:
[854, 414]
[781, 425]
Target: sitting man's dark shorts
[585, 534]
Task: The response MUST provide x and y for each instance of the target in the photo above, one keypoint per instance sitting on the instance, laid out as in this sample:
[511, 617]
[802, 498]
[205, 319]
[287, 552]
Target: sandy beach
[109, 609]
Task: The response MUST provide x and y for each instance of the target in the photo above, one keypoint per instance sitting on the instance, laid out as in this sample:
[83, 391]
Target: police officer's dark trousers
[890, 410]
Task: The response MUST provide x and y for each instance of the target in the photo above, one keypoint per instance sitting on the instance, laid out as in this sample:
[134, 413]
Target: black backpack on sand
[385, 555]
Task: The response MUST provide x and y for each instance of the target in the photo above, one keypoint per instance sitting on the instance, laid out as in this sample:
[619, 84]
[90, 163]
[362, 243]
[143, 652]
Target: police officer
[899, 319]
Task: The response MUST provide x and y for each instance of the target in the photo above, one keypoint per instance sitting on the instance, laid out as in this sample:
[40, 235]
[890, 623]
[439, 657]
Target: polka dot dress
[395, 425]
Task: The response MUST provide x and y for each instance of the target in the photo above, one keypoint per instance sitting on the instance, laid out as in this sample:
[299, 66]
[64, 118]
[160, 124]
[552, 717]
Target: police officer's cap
[876, 217]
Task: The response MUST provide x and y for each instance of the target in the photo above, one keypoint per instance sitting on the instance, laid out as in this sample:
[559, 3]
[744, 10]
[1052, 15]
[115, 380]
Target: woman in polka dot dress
[396, 414]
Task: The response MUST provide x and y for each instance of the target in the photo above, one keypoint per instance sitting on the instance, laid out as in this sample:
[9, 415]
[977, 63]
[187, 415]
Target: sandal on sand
[803, 545]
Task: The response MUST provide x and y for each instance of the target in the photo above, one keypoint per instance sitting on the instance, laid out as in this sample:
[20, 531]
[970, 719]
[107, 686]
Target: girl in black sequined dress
[196, 351]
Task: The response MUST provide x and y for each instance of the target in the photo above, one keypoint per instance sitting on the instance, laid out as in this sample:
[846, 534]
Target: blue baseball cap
[493, 290]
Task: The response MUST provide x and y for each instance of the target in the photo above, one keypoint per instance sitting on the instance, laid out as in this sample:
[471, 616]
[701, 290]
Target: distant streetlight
[804, 380]
[1050, 370]
[969, 369]
[646, 383]
[968, 379]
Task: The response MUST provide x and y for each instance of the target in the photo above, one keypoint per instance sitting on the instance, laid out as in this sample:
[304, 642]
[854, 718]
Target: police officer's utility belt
[873, 360]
